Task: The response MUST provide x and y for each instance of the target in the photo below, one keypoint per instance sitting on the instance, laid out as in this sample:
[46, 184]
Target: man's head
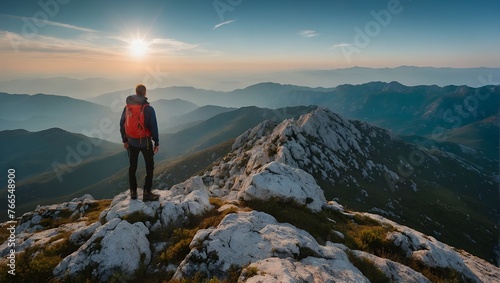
[140, 90]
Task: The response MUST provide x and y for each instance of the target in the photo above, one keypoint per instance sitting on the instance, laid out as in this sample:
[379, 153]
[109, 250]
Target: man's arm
[153, 127]
[122, 129]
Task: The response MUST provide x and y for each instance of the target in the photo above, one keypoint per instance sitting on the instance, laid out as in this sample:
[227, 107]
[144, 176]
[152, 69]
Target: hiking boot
[133, 194]
[149, 196]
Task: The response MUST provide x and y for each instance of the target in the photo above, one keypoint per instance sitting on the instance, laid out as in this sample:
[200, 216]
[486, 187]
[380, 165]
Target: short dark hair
[140, 90]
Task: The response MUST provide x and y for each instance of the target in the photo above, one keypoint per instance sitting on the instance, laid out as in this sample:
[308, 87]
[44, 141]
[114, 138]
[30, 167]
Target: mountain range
[314, 197]
[408, 75]
[434, 115]
[451, 113]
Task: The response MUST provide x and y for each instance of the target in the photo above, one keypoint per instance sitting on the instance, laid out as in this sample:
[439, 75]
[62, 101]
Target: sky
[92, 38]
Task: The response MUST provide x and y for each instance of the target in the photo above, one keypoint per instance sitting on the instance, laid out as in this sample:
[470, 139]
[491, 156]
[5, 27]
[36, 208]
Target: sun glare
[138, 48]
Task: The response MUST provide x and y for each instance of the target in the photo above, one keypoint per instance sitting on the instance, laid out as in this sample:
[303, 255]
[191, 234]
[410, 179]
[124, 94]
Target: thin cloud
[223, 24]
[173, 44]
[89, 43]
[341, 45]
[51, 23]
[308, 33]
[92, 46]
[48, 44]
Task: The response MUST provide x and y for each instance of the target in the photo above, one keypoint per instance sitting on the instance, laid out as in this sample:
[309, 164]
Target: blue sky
[85, 38]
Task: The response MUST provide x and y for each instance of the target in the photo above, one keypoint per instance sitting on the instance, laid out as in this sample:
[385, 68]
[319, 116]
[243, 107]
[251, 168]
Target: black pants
[148, 154]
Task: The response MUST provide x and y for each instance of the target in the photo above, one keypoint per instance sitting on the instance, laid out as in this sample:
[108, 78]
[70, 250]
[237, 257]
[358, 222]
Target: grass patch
[62, 248]
[138, 216]
[94, 210]
[4, 233]
[249, 272]
[371, 239]
[177, 251]
[64, 216]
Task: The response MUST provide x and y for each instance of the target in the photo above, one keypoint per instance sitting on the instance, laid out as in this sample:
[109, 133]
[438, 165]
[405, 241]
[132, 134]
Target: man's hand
[125, 145]
[157, 147]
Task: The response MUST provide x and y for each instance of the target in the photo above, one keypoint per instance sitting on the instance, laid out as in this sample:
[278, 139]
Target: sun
[138, 48]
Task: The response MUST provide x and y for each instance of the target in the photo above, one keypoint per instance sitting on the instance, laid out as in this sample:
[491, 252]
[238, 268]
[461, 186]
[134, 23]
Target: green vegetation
[138, 216]
[35, 264]
[180, 238]
[232, 277]
[179, 248]
[64, 216]
[95, 209]
[4, 233]
[249, 272]
[360, 233]
[82, 277]
[446, 201]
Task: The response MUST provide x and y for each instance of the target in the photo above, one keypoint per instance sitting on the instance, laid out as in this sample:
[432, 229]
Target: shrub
[251, 271]
[371, 239]
[179, 247]
[138, 216]
[35, 265]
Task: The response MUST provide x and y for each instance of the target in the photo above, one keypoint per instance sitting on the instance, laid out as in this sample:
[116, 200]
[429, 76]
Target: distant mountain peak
[263, 85]
[395, 87]
[272, 87]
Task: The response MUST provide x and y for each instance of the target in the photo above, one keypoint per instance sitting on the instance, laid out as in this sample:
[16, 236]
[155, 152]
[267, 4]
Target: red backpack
[134, 121]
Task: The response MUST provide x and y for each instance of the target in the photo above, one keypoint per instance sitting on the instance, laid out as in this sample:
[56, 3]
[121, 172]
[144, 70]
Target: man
[137, 127]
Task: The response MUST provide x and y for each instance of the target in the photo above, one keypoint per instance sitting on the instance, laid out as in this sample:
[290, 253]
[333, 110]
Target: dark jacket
[149, 122]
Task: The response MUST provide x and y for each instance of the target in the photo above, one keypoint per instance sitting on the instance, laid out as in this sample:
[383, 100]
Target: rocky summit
[263, 213]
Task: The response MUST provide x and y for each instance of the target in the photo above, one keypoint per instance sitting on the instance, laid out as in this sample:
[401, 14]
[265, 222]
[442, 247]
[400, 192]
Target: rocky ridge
[269, 162]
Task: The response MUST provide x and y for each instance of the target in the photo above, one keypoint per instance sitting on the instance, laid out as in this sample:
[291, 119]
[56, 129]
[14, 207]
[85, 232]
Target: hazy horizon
[85, 88]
